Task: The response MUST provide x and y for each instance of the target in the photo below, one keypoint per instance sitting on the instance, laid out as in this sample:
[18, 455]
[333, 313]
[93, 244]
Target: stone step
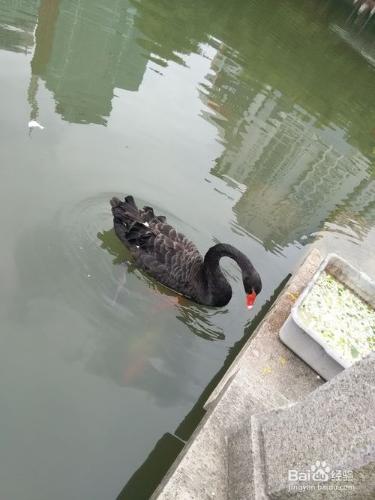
[240, 465]
[242, 449]
[330, 432]
[327, 440]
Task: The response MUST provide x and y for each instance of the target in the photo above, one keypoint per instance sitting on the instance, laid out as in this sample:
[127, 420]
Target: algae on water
[343, 320]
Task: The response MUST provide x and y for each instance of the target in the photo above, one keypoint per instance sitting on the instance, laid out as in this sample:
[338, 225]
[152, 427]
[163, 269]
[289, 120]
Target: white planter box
[308, 344]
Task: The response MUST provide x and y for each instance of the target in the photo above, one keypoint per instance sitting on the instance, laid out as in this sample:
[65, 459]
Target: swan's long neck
[215, 253]
[217, 285]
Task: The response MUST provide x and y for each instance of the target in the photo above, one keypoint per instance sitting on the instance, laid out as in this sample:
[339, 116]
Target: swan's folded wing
[170, 258]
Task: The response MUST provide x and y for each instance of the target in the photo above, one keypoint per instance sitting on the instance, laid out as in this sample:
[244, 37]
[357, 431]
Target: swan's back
[157, 247]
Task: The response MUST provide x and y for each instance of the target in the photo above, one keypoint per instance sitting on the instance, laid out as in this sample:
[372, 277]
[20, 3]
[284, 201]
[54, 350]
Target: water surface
[244, 122]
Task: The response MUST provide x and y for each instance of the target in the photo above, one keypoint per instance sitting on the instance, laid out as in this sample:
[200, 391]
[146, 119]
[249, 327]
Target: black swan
[174, 261]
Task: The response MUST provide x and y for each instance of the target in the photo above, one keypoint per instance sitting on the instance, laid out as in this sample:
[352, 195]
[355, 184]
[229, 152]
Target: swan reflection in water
[151, 361]
[194, 316]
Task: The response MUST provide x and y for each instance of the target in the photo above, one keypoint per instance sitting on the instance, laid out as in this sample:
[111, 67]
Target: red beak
[250, 299]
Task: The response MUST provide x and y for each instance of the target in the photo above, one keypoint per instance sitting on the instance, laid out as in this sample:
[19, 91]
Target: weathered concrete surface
[335, 424]
[265, 375]
[241, 470]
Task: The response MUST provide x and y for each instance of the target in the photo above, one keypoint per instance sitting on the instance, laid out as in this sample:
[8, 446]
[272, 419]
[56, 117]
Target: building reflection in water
[291, 144]
[291, 175]
[82, 53]
[294, 171]
[18, 20]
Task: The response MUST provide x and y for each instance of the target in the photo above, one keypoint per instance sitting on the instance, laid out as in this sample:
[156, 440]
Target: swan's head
[253, 286]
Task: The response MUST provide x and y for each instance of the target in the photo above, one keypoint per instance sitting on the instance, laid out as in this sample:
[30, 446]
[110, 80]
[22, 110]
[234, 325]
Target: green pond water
[244, 122]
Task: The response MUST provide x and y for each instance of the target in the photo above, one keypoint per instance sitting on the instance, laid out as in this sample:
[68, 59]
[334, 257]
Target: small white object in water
[137, 246]
[89, 275]
[35, 124]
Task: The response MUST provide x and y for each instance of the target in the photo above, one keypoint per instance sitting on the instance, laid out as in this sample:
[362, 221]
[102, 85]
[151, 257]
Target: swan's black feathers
[175, 261]
[156, 246]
